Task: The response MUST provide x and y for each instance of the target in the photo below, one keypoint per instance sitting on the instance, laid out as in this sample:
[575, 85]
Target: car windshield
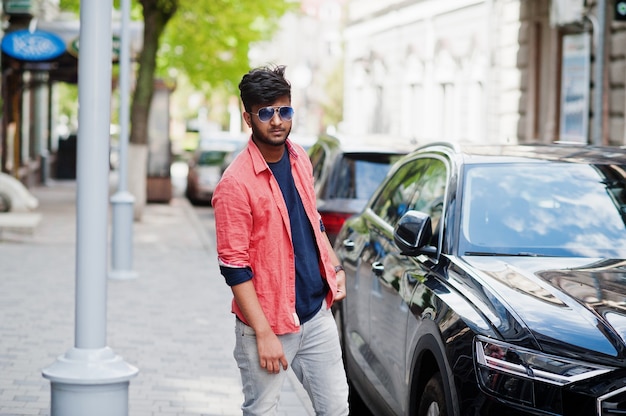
[552, 209]
[360, 175]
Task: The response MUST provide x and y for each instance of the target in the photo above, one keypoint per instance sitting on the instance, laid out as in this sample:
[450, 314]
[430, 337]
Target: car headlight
[525, 376]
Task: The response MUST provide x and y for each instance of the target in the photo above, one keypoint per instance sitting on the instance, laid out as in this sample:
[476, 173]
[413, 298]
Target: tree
[208, 40]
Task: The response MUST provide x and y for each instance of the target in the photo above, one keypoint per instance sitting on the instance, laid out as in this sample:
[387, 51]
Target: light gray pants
[314, 354]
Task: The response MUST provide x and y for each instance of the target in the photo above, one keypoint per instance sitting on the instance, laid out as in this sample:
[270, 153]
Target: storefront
[37, 54]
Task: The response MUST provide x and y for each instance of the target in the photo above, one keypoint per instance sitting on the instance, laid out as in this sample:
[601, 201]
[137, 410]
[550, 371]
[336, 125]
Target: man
[276, 257]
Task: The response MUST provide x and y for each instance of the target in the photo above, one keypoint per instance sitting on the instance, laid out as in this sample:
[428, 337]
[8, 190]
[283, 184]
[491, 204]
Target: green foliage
[74, 6]
[71, 5]
[67, 102]
[208, 40]
[205, 42]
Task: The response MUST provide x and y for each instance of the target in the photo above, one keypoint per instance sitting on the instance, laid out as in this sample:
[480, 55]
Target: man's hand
[271, 355]
[341, 285]
[270, 349]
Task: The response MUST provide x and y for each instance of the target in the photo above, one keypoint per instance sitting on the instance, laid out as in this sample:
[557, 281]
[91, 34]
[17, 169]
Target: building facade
[493, 71]
[309, 44]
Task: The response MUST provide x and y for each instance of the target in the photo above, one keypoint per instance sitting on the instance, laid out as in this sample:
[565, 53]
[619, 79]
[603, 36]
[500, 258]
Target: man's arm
[271, 354]
[231, 208]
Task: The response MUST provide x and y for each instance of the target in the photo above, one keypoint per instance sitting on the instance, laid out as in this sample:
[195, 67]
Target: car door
[355, 252]
[360, 251]
[421, 187]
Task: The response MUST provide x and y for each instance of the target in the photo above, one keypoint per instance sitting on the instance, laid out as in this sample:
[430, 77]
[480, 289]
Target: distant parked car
[490, 280]
[346, 174]
[206, 167]
[14, 196]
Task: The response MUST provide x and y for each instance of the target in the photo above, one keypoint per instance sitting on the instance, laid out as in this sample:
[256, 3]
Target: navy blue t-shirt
[310, 286]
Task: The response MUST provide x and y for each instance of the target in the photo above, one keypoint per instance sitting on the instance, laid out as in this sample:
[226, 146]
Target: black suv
[490, 280]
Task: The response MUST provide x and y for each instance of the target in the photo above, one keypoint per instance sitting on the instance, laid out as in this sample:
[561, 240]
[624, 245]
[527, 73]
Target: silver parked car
[206, 166]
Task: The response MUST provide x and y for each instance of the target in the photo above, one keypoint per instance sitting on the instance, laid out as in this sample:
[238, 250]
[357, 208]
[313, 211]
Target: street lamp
[90, 379]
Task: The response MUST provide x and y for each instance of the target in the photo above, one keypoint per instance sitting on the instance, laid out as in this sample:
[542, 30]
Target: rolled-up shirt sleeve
[233, 222]
[236, 275]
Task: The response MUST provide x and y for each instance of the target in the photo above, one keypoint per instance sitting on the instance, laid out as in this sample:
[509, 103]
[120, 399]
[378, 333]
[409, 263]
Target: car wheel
[433, 402]
[5, 202]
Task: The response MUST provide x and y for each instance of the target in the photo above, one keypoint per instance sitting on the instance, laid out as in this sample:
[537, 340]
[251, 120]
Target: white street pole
[122, 202]
[90, 379]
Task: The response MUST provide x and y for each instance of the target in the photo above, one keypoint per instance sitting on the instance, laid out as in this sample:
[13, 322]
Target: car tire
[433, 401]
[5, 202]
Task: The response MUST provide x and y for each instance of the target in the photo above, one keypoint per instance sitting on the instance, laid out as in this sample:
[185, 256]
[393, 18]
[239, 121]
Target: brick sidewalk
[173, 321]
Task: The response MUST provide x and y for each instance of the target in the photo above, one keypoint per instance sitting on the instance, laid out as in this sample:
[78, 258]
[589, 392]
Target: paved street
[173, 321]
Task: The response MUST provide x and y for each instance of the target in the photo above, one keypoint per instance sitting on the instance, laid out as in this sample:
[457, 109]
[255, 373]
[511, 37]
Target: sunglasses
[265, 114]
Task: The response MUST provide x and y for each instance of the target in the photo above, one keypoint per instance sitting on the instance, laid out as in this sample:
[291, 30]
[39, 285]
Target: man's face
[273, 132]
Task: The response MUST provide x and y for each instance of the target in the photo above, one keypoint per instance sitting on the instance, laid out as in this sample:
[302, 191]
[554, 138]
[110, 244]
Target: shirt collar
[258, 163]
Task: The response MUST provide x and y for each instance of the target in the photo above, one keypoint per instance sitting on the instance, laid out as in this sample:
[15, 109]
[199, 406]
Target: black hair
[263, 86]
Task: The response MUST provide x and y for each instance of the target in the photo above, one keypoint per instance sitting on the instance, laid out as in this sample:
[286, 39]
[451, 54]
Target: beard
[272, 136]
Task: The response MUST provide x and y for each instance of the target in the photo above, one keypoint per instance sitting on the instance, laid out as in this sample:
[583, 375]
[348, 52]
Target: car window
[430, 192]
[544, 209]
[358, 177]
[212, 158]
[419, 185]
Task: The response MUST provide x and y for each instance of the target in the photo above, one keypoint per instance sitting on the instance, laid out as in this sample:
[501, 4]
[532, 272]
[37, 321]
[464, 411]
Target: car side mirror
[413, 232]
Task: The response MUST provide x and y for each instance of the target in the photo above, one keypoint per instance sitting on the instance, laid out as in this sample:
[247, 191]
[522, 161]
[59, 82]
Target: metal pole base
[89, 382]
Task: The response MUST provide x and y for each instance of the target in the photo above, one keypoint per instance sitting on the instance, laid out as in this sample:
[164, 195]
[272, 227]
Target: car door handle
[378, 268]
[348, 244]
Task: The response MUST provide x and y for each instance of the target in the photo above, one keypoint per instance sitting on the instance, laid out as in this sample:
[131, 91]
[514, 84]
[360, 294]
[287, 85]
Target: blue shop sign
[32, 46]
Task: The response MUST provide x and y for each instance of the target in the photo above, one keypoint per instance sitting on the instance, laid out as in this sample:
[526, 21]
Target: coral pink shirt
[253, 231]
